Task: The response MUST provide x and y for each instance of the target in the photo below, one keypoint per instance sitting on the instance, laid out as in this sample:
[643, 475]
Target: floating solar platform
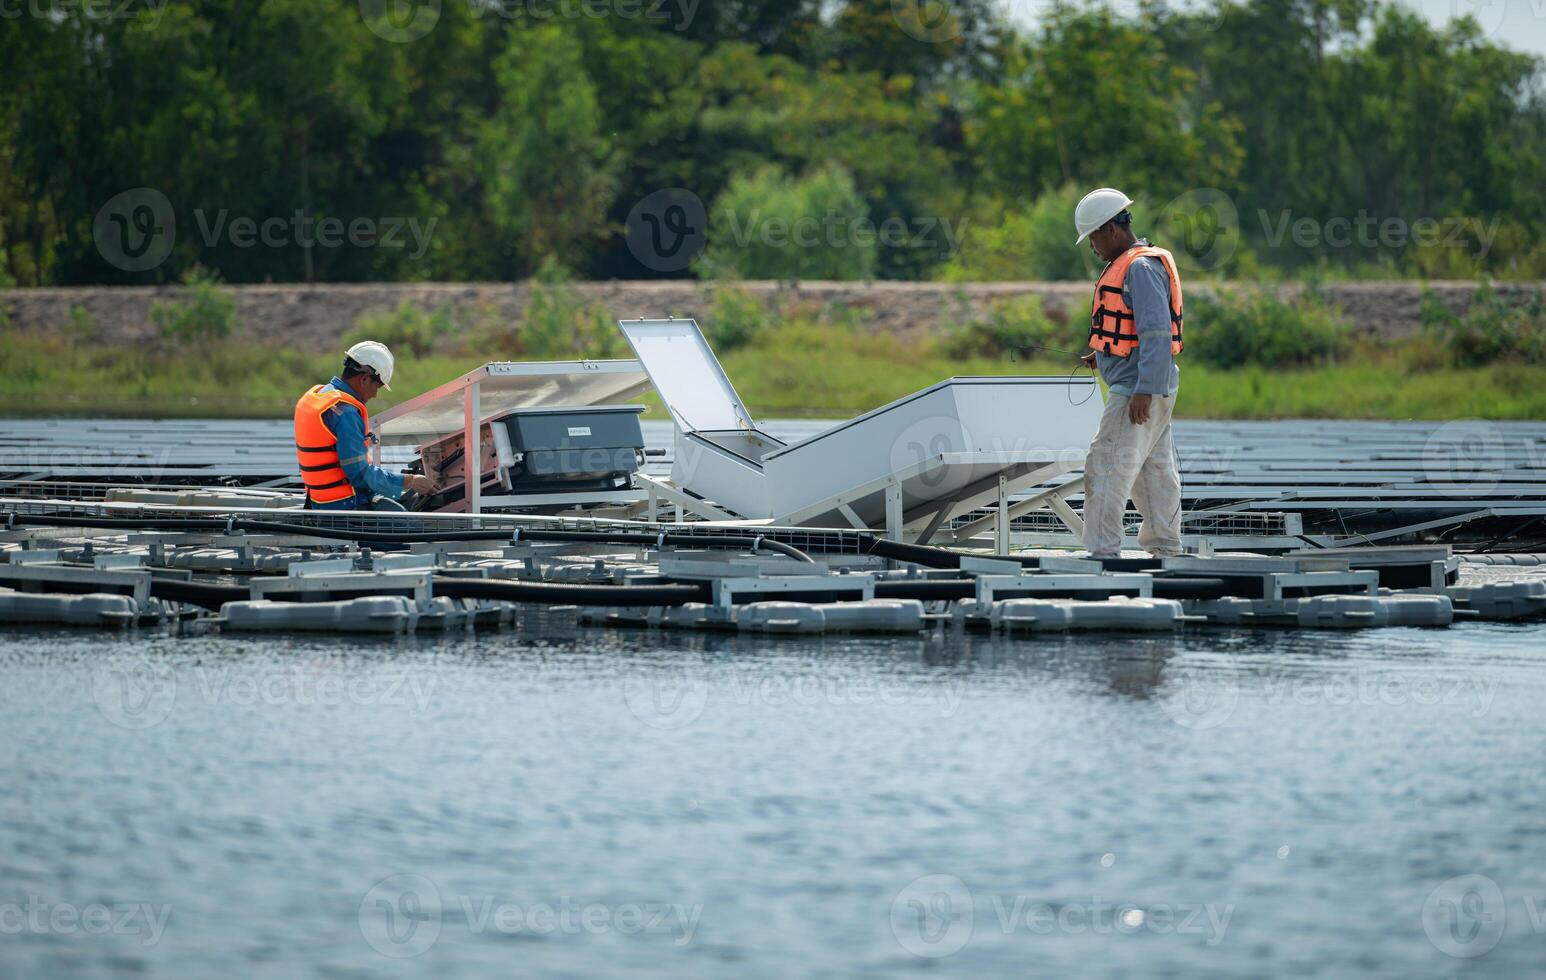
[1302, 482]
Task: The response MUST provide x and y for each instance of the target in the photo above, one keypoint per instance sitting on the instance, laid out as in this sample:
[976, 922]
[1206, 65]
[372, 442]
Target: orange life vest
[1112, 328]
[317, 448]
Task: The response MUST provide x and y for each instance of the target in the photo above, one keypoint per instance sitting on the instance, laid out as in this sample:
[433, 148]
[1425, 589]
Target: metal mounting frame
[925, 521]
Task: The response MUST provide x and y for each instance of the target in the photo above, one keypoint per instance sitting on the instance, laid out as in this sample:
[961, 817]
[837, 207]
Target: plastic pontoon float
[910, 467]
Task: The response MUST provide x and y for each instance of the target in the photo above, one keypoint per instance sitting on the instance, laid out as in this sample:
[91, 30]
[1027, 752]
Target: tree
[1034, 242]
[524, 135]
[929, 40]
[788, 27]
[768, 226]
[546, 167]
[756, 111]
[1095, 102]
[1352, 109]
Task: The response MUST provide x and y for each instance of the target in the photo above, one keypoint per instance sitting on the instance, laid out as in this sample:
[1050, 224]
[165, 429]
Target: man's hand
[421, 485]
[1138, 409]
[1088, 360]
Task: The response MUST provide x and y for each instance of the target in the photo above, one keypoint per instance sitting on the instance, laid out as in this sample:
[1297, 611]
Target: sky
[1518, 24]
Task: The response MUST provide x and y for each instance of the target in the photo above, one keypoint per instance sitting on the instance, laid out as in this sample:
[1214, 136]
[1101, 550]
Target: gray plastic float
[96, 609]
[372, 614]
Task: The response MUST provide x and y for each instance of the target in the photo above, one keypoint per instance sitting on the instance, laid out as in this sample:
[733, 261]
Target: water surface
[565, 801]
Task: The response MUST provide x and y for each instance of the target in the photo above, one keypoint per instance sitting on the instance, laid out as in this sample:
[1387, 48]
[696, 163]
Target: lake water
[563, 801]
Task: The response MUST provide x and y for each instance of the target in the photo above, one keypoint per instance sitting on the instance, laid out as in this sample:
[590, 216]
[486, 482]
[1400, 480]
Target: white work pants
[1137, 461]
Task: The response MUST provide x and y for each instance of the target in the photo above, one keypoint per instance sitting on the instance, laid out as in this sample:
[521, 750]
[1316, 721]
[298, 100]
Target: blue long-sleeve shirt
[1152, 370]
[368, 480]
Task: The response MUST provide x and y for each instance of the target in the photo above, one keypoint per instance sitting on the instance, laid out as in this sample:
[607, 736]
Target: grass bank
[800, 377]
[799, 370]
[1250, 354]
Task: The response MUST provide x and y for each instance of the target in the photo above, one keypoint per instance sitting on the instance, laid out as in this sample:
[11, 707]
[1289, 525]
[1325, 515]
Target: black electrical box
[539, 451]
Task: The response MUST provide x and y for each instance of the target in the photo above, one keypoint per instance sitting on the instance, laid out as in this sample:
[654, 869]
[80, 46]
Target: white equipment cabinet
[910, 467]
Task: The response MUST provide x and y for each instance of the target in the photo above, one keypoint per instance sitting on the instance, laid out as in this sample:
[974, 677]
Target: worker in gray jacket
[1135, 334]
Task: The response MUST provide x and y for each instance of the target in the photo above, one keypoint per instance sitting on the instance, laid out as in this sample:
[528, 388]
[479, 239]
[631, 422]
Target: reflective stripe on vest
[317, 448]
[1112, 327]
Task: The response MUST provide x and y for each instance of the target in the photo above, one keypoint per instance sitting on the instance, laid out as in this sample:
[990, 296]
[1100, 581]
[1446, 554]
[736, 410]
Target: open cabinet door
[687, 374]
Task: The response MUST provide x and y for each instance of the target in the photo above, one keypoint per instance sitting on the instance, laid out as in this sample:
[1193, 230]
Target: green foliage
[769, 226]
[409, 329]
[202, 311]
[522, 137]
[734, 318]
[1233, 328]
[559, 325]
[913, 38]
[49, 373]
[888, 133]
[858, 370]
[544, 161]
[1095, 100]
[1016, 327]
[82, 324]
[1493, 329]
[1360, 108]
[52, 373]
[1009, 244]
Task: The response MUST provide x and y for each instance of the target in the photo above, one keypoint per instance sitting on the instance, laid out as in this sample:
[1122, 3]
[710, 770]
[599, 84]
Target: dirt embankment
[313, 317]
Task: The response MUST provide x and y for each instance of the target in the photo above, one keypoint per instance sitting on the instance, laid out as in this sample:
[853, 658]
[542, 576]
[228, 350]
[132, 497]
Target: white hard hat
[368, 353]
[1096, 208]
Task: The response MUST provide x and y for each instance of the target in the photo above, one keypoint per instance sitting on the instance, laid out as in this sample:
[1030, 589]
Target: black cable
[1055, 350]
[1484, 549]
[1194, 588]
[927, 556]
[1068, 388]
[207, 595]
[927, 590]
[746, 542]
[563, 594]
[749, 543]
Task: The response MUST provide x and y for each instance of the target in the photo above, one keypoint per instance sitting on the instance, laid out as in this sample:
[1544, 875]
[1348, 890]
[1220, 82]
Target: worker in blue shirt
[331, 422]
